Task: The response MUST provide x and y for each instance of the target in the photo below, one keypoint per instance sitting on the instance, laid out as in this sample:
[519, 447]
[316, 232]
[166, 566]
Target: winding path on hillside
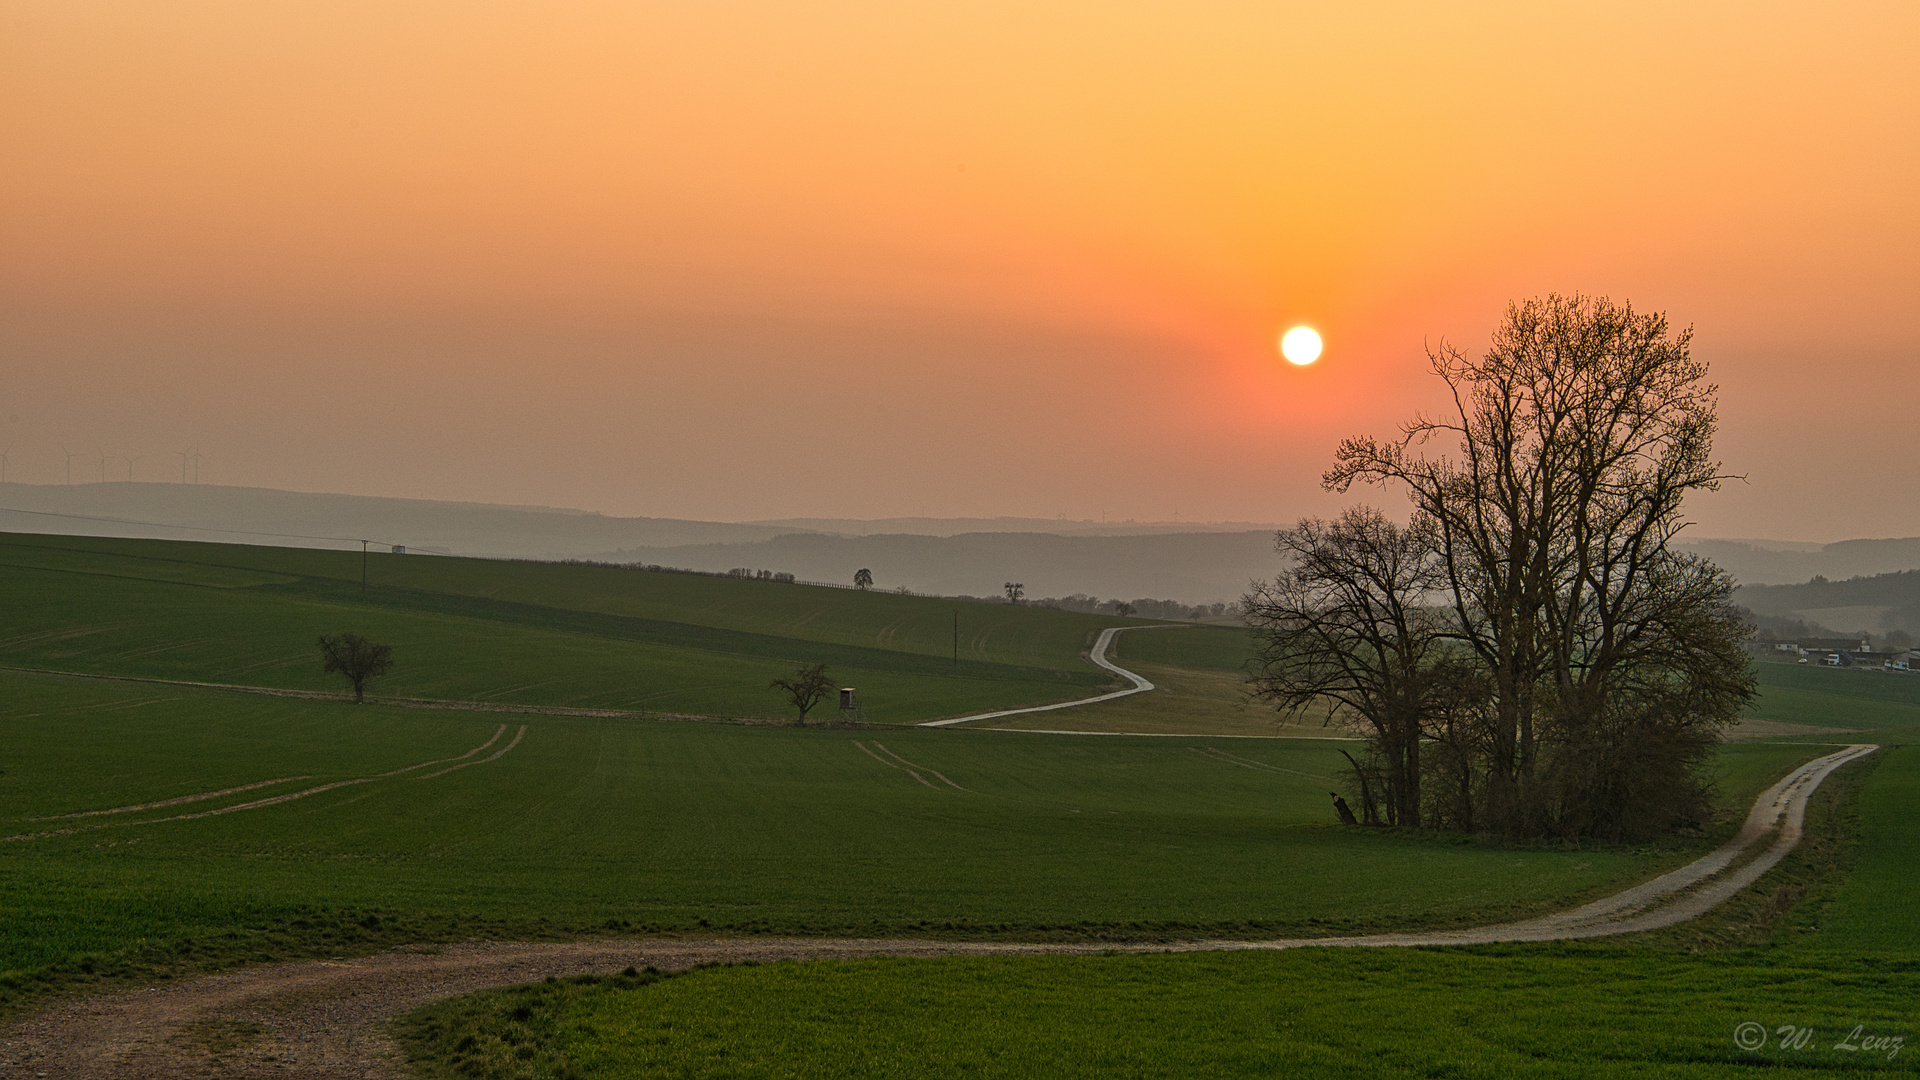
[1099, 656]
[327, 1019]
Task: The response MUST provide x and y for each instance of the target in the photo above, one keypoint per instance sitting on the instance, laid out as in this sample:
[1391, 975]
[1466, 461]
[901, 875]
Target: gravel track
[1099, 656]
[327, 1019]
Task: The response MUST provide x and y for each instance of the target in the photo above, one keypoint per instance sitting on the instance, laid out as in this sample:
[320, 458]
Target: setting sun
[1301, 345]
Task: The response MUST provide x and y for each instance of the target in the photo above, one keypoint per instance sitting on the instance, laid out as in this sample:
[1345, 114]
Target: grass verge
[1548, 1011]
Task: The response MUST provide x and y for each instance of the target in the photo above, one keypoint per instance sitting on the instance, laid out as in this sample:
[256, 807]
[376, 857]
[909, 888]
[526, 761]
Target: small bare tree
[863, 579]
[1350, 624]
[1015, 591]
[806, 688]
[356, 658]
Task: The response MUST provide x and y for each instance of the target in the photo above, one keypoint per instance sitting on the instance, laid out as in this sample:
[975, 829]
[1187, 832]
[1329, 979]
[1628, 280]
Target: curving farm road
[1099, 656]
[328, 1019]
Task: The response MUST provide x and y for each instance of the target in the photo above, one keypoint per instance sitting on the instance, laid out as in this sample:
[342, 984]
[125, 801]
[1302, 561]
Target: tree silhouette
[356, 658]
[806, 688]
[1351, 622]
[1015, 591]
[1611, 659]
[863, 578]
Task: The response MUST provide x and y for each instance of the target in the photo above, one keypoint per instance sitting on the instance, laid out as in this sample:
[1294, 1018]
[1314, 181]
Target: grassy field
[485, 631]
[413, 824]
[1876, 911]
[1825, 989]
[597, 825]
[1875, 705]
[1542, 1011]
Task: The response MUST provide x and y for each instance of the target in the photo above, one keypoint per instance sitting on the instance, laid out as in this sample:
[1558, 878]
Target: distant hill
[1766, 562]
[307, 519]
[1877, 604]
[926, 526]
[1122, 560]
[1190, 562]
[1189, 567]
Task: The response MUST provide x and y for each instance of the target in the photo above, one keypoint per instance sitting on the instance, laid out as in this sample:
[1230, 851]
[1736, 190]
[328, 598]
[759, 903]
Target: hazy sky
[748, 259]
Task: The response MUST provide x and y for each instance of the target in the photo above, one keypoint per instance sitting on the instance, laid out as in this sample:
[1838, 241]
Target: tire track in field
[157, 804]
[891, 765]
[497, 754]
[290, 796]
[319, 695]
[911, 766]
[497, 732]
[884, 639]
[1248, 763]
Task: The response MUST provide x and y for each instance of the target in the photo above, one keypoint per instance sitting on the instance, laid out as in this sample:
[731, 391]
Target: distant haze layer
[1188, 567]
[1158, 560]
[1189, 562]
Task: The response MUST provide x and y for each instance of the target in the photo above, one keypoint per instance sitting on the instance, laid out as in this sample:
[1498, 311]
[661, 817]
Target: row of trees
[1145, 607]
[1528, 655]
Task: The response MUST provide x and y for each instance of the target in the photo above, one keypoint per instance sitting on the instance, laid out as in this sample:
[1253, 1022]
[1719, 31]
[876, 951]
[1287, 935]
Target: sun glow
[1300, 345]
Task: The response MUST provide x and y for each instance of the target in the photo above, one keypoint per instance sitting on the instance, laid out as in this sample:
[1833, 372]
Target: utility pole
[956, 637]
[363, 564]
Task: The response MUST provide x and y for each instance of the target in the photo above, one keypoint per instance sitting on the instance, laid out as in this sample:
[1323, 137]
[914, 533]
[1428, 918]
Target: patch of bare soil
[327, 1019]
[1756, 728]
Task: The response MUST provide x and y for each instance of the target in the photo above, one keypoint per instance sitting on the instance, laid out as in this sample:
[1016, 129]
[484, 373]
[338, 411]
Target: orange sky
[740, 260]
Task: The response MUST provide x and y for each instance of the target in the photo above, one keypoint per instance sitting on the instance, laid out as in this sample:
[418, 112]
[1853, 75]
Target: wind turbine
[103, 464]
[130, 459]
[70, 456]
[3, 462]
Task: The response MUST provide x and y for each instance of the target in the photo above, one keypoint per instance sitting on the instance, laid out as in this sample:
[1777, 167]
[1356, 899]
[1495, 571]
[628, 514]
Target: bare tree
[1350, 625]
[1015, 591]
[356, 658]
[863, 579]
[1579, 433]
[805, 689]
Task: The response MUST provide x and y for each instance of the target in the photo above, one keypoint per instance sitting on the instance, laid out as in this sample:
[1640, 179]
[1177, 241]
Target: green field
[642, 824]
[692, 827]
[1843, 969]
[1877, 706]
[1323, 1013]
[523, 633]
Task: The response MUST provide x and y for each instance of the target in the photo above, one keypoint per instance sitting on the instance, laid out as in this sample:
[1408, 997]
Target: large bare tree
[1575, 440]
